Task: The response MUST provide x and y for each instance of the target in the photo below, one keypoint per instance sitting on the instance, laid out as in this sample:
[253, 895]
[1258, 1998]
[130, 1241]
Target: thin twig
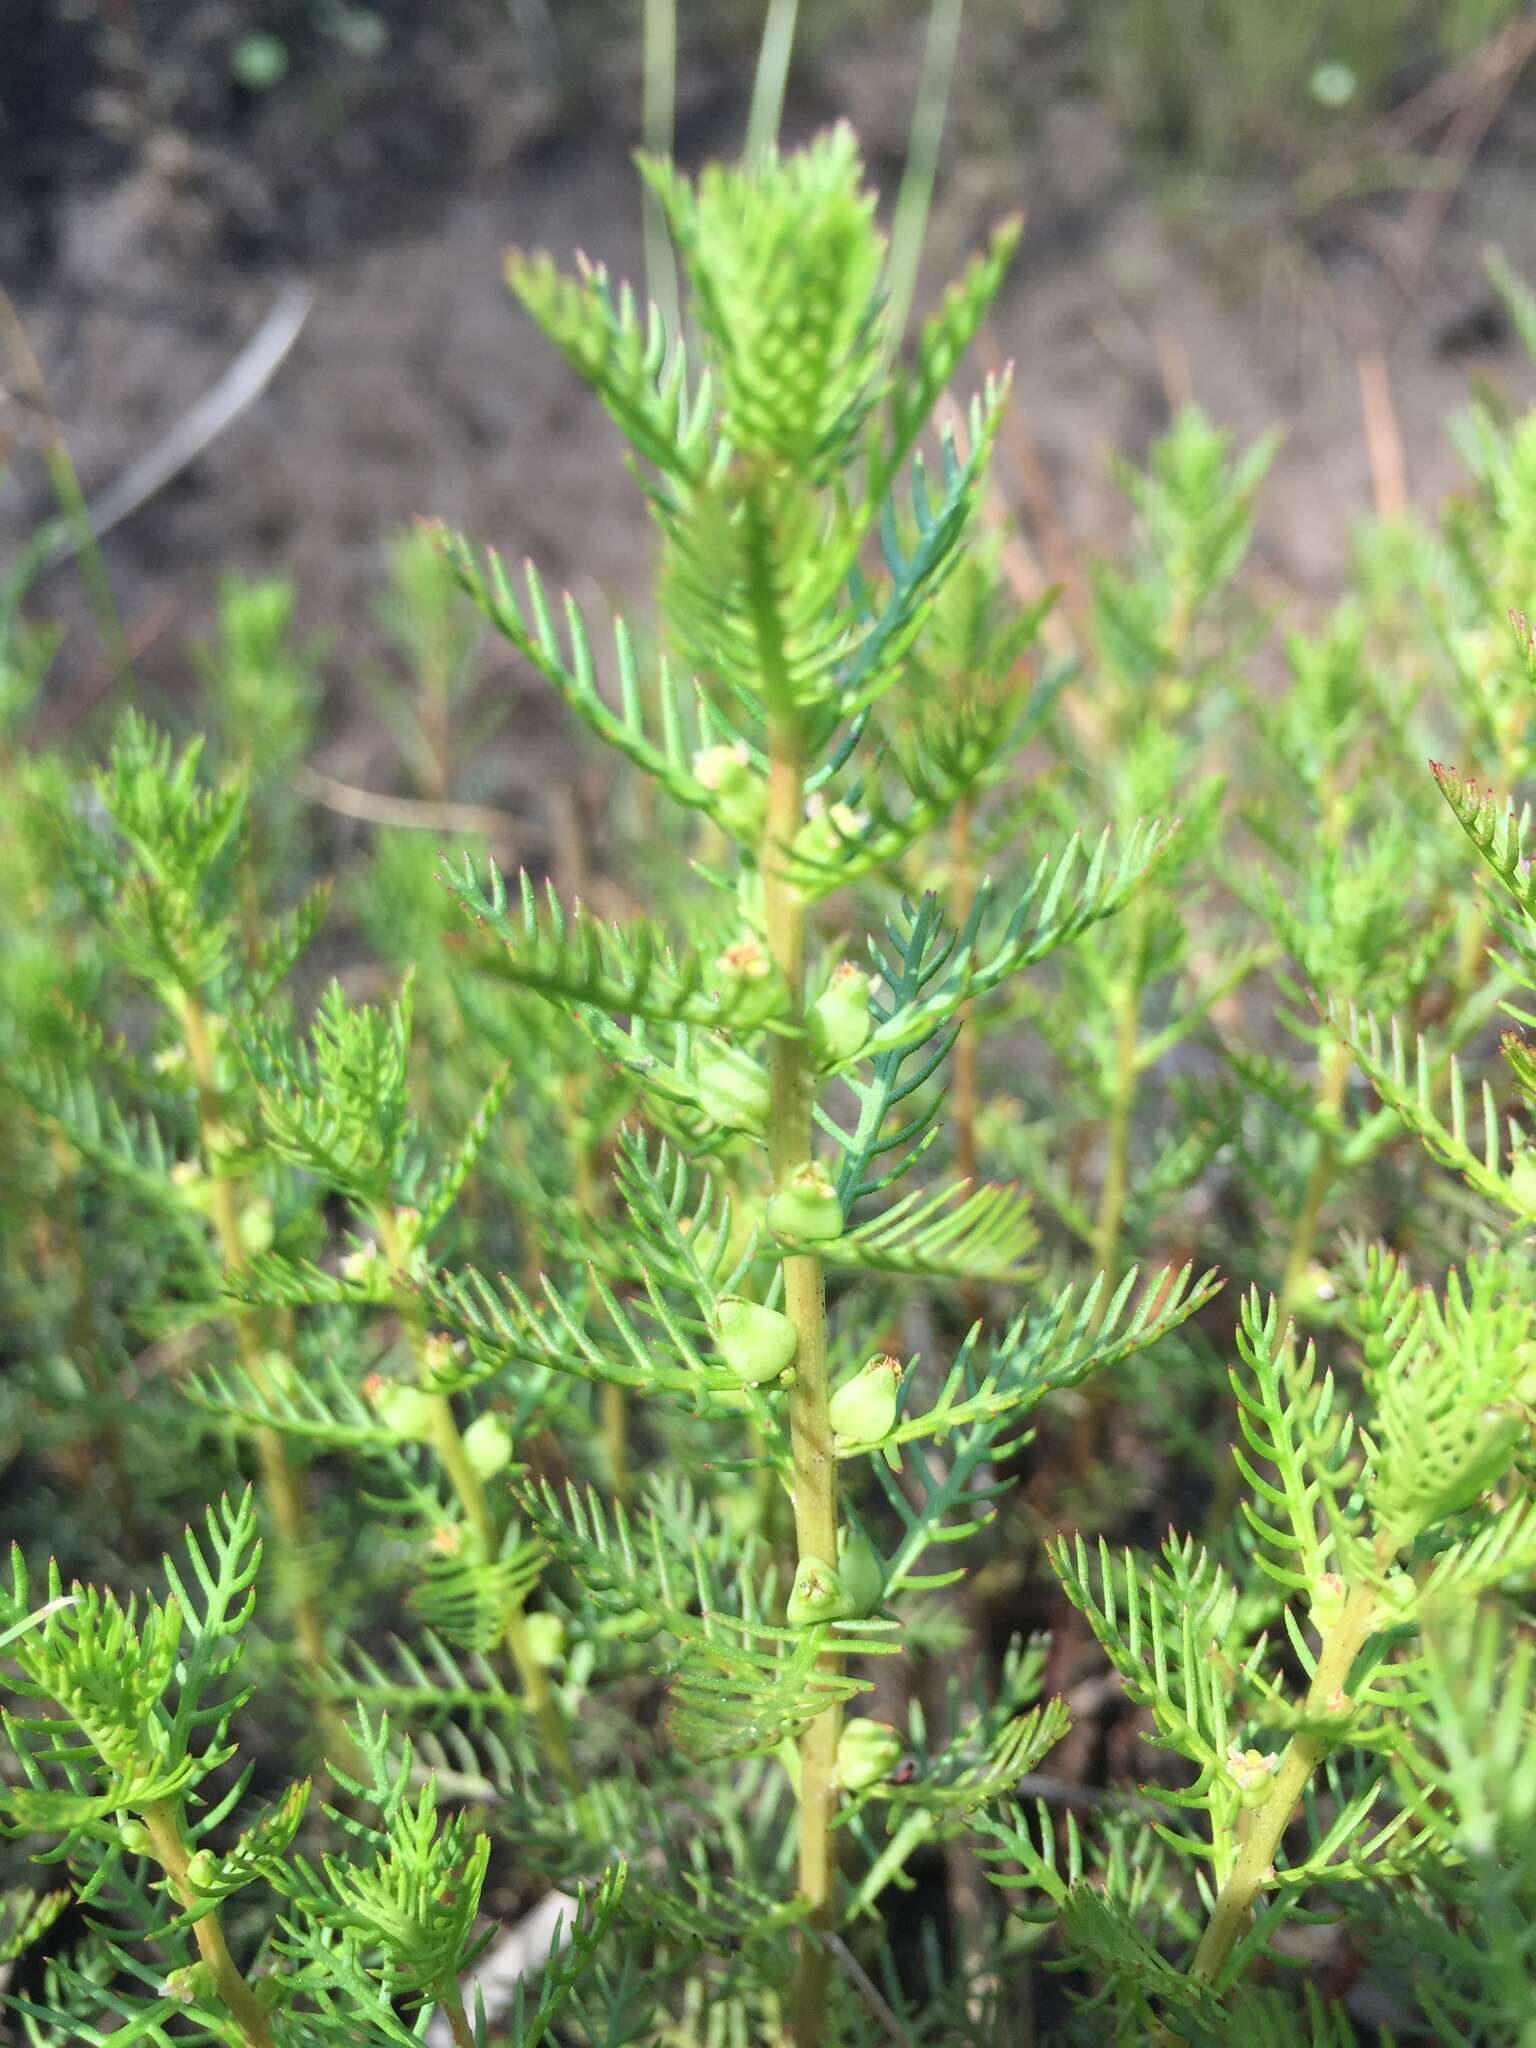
[239, 387]
[416, 814]
[865, 1985]
[1383, 442]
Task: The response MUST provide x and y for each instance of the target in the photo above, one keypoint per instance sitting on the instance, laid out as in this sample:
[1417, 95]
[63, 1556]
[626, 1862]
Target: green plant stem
[280, 1486]
[658, 120]
[613, 1404]
[1330, 1101]
[1122, 1106]
[451, 2005]
[163, 1825]
[469, 1489]
[1254, 1868]
[964, 1094]
[791, 1091]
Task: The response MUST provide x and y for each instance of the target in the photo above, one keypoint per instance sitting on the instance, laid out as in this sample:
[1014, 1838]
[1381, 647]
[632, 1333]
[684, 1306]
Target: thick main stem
[791, 1094]
[1254, 1868]
[163, 1826]
[469, 1489]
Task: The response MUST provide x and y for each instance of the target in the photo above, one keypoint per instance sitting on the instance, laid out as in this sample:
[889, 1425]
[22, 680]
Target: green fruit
[1326, 1603]
[740, 793]
[817, 1595]
[546, 1638]
[822, 842]
[867, 1751]
[406, 1411]
[732, 1088]
[863, 1409]
[193, 1981]
[488, 1445]
[257, 1228]
[806, 1208]
[1252, 1772]
[839, 1018]
[1395, 1600]
[757, 1343]
[862, 1571]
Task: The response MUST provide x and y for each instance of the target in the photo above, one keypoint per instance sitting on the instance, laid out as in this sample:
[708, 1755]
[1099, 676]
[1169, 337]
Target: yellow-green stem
[451, 2005]
[1330, 1101]
[791, 1094]
[162, 1823]
[469, 1489]
[613, 1404]
[280, 1486]
[1254, 1867]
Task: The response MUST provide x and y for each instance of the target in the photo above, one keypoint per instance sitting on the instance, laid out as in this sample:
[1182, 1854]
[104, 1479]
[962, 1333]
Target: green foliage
[680, 1349]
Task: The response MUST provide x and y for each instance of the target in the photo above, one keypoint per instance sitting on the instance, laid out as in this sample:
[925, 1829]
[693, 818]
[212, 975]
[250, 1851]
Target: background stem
[448, 1442]
[280, 1484]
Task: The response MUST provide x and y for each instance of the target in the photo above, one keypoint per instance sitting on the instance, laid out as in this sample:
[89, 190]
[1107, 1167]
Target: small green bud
[546, 1638]
[193, 1981]
[202, 1870]
[863, 1409]
[757, 1343]
[1395, 1601]
[1326, 1603]
[822, 840]
[867, 1751]
[806, 1208]
[488, 1445]
[862, 1571]
[257, 1228]
[740, 793]
[134, 1837]
[1522, 1178]
[1252, 1772]
[744, 961]
[732, 1088]
[839, 1017]
[407, 1411]
[817, 1595]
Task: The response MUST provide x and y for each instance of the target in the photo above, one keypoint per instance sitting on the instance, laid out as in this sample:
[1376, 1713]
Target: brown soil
[159, 209]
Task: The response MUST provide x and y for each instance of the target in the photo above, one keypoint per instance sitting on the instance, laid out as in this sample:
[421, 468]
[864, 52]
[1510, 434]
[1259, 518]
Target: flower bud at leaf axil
[867, 1751]
[202, 1870]
[839, 1016]
[407, 1411]
[745, 961]
[1326, 1602]
[546, 1638]
[1395, 1601]
[863, 1409]
[134, 1837]
[488, 1444]
[257, 1226]
[806, 1208]
[1252, 1772]
[757, 1343]
[740, 793]
[861, 1570]
[822, 841]
[189, 1984]
[817, 1595]
[732, 1088]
